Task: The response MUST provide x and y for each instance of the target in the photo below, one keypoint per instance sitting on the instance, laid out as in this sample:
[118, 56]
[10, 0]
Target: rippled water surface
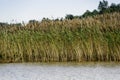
[60, 71]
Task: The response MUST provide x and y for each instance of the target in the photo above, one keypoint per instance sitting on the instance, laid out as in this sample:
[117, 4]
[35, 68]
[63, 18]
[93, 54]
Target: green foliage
[3, 24]
[87, 13]
[69, 17]
[95, 12]
[103, 8]
[114, 7]
[103, 5]
[32, 21]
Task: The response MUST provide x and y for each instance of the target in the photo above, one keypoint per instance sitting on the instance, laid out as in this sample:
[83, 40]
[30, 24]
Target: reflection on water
[60, 71]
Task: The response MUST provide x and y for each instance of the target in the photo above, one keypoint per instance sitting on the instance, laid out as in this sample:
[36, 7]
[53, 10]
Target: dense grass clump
[94, 38]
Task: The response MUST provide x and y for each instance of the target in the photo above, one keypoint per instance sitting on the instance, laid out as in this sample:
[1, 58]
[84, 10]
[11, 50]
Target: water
[60, 71]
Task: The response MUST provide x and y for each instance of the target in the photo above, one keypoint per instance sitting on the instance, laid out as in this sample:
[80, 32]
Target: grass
[89, 39]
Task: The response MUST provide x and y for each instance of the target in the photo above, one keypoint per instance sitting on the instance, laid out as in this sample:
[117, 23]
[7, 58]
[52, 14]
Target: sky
[25, 10]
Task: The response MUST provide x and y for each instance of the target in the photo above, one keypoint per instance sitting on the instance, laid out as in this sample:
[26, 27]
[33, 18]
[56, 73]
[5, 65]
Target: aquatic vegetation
[95, 38]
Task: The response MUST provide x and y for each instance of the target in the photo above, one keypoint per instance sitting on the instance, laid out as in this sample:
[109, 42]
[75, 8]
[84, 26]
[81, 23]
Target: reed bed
[94, 38]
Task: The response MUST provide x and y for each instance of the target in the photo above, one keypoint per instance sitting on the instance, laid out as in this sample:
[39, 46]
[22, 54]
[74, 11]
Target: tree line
[103, 8]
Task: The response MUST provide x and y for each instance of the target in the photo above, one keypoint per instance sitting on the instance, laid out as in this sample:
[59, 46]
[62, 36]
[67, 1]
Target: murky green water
[60, 71]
